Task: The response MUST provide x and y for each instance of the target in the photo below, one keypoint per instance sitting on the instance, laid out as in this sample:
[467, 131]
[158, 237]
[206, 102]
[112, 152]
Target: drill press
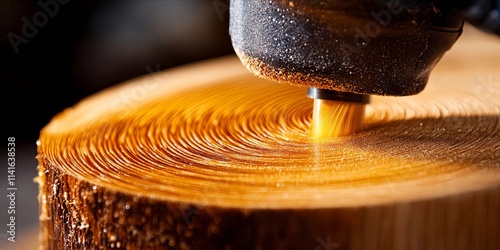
[344, 51]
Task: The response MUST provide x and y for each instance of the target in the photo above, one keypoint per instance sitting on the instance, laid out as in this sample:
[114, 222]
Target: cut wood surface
[208, 156]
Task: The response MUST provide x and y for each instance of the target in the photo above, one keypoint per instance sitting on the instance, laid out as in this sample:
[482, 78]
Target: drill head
[366, 47]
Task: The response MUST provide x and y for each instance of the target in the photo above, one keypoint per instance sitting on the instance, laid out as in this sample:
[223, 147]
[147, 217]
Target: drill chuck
[364, 47]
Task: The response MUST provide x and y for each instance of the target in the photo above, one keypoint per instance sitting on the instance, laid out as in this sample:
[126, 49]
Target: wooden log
[207, 156]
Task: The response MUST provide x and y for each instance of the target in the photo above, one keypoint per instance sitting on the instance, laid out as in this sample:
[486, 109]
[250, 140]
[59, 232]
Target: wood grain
[207, 156]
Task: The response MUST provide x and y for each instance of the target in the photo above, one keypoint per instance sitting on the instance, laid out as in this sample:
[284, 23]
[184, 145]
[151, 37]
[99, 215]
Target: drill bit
[336, 113]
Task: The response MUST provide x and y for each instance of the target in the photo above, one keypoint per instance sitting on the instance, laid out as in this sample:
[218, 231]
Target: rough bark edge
[79, 215]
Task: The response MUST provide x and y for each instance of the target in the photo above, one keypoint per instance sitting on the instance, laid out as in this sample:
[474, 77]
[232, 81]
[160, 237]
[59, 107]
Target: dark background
[53, 53]
[86, 46]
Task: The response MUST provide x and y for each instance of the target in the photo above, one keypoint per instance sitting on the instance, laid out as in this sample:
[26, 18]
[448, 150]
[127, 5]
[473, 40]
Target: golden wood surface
[121, 167]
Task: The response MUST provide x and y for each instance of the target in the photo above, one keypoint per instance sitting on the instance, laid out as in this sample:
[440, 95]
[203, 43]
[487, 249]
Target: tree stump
[208, 156]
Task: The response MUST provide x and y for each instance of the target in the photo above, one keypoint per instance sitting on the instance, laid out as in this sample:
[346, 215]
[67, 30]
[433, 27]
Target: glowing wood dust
[335, 118]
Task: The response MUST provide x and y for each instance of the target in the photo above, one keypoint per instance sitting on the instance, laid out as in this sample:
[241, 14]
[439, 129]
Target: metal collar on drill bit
[326, 94]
